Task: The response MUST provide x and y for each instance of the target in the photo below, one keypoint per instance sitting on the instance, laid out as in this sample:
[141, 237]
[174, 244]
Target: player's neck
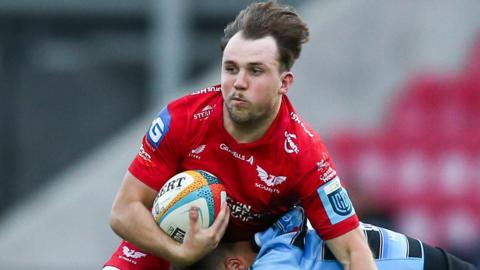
[251, 132]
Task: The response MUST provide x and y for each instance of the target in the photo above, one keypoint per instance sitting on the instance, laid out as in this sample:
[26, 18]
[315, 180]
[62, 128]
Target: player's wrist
[174, 253]
[161, 245]
[181, 256]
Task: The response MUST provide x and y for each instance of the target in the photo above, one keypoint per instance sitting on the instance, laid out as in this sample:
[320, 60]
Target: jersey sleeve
[278, 253]
[322, 195]
[162, 146]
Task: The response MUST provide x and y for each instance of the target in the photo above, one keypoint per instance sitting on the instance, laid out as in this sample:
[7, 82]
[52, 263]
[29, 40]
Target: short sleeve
[161, 149]
[326, 202]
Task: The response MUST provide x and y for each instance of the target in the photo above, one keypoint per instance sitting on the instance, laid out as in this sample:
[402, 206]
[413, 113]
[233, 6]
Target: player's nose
[241, 80]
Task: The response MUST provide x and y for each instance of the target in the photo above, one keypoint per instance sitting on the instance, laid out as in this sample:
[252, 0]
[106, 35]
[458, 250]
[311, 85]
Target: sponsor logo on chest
[195, 153]
[204, 113]
[289, 145]
[248, 159]
[242, 211]
[269, 181]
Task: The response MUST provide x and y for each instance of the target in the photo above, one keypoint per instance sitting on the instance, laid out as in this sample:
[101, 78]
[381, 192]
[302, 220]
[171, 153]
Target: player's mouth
[235, 100]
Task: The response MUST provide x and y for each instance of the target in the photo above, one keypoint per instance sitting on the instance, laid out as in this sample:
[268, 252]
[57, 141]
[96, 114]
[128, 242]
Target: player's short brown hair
[270, 18]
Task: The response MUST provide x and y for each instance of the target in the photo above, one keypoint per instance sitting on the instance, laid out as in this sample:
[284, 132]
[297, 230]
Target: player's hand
[293, 222]
[198, 241]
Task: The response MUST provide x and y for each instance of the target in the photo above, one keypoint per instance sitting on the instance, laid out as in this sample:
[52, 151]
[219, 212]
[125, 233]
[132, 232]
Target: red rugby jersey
[263, 179]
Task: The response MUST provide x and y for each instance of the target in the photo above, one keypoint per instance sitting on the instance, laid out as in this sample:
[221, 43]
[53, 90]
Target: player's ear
[234, 263]
[286, 78]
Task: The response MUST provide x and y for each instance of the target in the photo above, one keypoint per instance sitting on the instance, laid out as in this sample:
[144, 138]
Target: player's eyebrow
[231, 62]
[256, 64]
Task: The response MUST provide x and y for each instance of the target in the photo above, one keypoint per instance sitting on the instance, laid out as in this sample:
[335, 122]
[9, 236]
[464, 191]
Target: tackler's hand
[294, 221]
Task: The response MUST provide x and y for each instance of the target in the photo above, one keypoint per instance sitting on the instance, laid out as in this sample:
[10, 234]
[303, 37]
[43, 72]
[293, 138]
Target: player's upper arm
[133, 190]
[325, 200]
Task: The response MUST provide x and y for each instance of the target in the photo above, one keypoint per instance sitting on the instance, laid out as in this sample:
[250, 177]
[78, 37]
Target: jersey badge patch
[159, 128]
[335, 200]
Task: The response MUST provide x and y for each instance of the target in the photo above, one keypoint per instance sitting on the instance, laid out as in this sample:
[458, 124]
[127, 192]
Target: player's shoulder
[204, 94]
[300, 131]
[178, 117]
[198, 102]
[196, 105]
[303, 140]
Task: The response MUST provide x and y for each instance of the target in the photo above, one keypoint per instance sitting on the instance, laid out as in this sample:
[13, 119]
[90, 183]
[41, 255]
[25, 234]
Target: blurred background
[393, 87]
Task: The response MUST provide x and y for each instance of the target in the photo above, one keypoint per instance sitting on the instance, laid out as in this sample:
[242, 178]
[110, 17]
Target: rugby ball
[181, 192]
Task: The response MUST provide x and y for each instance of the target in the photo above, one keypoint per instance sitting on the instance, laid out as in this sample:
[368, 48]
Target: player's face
[252, 84]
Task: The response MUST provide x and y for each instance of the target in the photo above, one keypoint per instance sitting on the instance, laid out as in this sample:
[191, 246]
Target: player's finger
[224, 224]
[193, 218]
[222, 215]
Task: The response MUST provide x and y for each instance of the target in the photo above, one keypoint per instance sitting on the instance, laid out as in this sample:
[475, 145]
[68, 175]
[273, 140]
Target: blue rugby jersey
[280, 250]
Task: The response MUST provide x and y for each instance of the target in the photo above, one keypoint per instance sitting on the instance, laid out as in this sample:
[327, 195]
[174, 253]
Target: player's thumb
[193, 217]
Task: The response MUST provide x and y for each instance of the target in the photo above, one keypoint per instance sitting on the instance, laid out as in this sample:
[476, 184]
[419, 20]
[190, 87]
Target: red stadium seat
[423, 164]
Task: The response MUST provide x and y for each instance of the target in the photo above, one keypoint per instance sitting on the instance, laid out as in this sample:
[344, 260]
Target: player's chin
[240, 116]
[237, 112]
[238, 108]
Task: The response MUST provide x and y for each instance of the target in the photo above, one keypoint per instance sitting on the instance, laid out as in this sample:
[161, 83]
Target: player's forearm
[134, 223]
[358, 257]
[361, 260]
[352, 251]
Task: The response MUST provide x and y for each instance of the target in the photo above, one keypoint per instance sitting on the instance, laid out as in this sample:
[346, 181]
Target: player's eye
[231, 69]
[256, 71]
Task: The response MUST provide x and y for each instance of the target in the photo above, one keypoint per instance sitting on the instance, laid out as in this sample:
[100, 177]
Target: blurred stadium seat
[421, 165]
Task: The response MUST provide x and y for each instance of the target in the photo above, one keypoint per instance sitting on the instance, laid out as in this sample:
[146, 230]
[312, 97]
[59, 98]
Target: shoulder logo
[289, 145]
[325, 169]
[145, 158]
[143, 154]
[159, 128]
[131, 253]
[299, 121]
[270, 180]
[340, 202]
